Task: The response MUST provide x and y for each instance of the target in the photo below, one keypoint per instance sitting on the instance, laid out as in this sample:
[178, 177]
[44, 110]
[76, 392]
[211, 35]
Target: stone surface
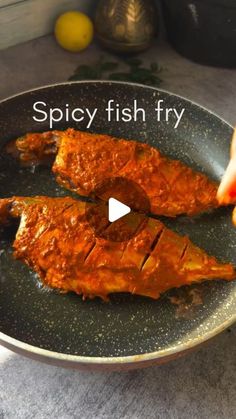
[42, 62]
[199, 385]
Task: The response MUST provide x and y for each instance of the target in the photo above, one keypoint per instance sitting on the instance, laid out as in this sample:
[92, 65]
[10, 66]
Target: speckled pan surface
[128, 330]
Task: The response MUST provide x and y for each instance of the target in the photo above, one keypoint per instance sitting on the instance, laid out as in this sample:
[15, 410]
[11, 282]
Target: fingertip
[226, 193]
[233, 144]
[234, 217]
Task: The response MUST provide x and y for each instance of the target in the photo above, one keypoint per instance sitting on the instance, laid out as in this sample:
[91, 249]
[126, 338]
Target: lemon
[74, 31]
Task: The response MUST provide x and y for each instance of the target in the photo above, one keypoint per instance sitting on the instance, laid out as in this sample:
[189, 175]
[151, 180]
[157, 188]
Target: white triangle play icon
[116, 210]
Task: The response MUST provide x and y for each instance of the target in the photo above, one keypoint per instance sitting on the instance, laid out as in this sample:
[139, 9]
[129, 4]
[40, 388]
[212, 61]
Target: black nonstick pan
[128, 331]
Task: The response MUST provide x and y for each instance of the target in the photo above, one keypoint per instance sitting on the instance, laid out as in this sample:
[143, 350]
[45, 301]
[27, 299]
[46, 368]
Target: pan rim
[11, 343]
[44, 354]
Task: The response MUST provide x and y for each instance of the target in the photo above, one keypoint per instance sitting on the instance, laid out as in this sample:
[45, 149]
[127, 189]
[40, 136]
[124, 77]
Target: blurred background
[203, 30]
[185, 46]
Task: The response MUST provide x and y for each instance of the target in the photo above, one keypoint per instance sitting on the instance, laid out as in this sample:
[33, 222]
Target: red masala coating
[84, 160]
[55, 240]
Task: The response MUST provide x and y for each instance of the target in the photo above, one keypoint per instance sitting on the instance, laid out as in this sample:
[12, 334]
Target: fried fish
[83, 160]
[55, 239]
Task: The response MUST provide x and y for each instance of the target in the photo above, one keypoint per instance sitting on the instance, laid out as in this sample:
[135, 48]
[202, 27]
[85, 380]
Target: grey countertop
[200, 385]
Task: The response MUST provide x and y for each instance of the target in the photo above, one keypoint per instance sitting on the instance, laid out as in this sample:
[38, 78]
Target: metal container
[126, 25]
[203, 30]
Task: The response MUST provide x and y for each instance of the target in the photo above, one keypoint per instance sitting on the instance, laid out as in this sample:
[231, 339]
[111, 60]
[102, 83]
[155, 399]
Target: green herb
[106, 70]
[85, 72]
[109, 66]
[134, 62]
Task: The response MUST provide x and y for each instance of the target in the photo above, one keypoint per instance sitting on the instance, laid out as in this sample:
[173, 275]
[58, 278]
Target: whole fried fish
[83, 160]
[56, 240]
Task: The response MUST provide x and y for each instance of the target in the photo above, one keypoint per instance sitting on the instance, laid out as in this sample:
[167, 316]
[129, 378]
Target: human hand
[226, 193]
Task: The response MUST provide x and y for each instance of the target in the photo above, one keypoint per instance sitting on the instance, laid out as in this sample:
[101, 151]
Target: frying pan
[128, 331]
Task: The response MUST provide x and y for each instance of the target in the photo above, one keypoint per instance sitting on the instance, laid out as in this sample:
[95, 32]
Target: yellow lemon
[74, 31]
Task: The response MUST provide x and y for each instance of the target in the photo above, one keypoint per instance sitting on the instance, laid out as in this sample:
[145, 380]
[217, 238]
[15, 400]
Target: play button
[119, 209]
[116, 210]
